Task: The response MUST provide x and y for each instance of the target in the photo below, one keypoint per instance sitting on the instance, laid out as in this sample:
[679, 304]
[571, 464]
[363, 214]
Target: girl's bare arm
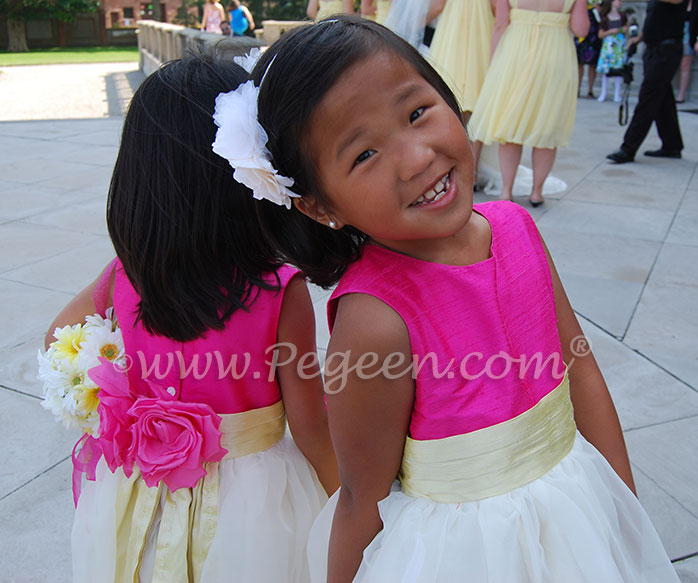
[301, 383]
[579, 18]
[369, 409]
[594, 411]
[81, 305]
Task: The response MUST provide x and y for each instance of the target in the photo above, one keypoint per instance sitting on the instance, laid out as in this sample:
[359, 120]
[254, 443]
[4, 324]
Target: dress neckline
[477, 208]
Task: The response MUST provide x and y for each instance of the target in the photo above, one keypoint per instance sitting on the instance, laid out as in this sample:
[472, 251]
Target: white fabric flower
[242, 141]
[249, 60]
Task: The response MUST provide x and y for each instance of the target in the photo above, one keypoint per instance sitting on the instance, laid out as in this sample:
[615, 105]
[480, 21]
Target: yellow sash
[189, 516]
[494, 460]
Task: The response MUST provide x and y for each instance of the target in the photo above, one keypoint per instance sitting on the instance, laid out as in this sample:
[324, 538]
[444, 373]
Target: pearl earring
[333, 225]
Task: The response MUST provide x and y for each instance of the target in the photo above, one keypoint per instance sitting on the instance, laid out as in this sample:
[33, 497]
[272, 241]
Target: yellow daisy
[68, 341]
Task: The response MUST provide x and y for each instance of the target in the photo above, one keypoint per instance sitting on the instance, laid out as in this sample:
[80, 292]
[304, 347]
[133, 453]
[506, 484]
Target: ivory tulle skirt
[247, 520]
[578, 523]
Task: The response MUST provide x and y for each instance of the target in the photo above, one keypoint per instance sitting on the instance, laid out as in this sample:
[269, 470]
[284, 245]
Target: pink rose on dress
[115, 400]
[172, 439]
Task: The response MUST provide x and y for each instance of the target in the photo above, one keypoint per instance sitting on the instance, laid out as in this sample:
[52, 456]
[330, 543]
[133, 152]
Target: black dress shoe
[661, 153]
[620, 157]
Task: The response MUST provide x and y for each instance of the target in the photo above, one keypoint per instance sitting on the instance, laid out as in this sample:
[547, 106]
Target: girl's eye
[416, 114]
[365, 155]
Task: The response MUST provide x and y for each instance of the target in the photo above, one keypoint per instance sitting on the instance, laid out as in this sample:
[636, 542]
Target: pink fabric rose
[169, 440]
[115, 400]
[172, 439]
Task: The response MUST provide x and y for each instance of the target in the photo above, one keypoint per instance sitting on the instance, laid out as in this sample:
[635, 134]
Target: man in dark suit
[663, 37]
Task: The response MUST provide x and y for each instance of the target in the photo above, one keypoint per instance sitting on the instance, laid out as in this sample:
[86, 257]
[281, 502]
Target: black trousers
[656, 101]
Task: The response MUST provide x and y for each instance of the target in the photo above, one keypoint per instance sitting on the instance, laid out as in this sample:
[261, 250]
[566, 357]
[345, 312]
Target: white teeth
[435, 193]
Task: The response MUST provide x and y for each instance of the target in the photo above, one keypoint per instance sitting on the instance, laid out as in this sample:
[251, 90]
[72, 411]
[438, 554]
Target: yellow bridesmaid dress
[460, 49]
[382, 10]
[329, 8]
[530, 93]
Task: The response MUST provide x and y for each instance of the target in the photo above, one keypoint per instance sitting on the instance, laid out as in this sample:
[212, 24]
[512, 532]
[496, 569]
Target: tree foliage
[189, 13]
[19, 11]
[65, 10]
[277, 9]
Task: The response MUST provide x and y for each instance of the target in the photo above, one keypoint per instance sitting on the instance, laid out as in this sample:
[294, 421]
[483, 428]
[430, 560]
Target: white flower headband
[242, 141]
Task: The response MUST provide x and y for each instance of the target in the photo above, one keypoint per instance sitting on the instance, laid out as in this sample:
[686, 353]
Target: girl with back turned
[197, 479]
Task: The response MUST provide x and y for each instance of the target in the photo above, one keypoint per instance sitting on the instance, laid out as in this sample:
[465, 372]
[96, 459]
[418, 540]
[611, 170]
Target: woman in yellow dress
[529, 96]
[375, 10]
[460, 49]
[321, 9]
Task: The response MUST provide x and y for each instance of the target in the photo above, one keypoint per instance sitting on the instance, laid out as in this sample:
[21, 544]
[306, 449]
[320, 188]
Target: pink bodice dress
[465, 316]
[263, 489]
[225, 369]
[495, 484]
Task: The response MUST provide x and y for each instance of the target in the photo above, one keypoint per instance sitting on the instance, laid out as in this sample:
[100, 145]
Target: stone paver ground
[625, 240]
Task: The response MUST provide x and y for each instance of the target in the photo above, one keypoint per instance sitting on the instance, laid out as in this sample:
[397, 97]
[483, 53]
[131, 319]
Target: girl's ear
[310, 207]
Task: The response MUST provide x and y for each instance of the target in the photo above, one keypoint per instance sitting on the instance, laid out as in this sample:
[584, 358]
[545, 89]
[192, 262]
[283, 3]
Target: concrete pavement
[624, 238]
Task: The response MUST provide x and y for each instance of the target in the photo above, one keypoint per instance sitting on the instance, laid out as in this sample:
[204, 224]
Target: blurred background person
[614, 50]
[687, 59]
[214, 14]
[529, 96]
[240, 18]
[460, 49]
[409, 19]
[376, 10]
[662, 33]
[321, 9]
[588, 49]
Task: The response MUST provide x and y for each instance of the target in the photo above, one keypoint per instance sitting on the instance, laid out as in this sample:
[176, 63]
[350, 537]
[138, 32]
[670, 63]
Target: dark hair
[604, 11]
[183, 229]
[297, 71]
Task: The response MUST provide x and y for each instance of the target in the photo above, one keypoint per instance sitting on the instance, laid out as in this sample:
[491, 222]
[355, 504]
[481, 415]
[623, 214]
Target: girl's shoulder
[284, 274]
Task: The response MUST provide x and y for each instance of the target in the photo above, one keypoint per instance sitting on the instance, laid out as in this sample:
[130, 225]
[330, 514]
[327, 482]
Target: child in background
[240, 18]
[193, 279]
[449, 330]
[612, 30]
[588, 48]
[214, 15]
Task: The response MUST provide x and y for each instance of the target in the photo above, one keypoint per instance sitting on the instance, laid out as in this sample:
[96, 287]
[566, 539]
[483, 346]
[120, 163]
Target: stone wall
[159, 42]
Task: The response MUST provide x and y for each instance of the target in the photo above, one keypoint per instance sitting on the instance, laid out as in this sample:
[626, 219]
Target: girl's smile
[436, 193]
[392, 158]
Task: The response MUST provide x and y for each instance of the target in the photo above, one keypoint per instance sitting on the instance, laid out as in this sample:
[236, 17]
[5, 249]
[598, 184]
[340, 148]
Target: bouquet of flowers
[86, 386]
[69, 393]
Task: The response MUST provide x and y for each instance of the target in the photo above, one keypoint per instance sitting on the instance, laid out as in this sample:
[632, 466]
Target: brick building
[125, 13]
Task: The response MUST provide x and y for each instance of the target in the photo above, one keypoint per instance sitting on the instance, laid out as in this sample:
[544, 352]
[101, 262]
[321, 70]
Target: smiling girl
[516, 475]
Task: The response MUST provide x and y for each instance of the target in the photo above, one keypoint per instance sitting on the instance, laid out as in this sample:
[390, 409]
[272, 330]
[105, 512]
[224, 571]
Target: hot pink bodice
[200, 370]
[484, 334]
